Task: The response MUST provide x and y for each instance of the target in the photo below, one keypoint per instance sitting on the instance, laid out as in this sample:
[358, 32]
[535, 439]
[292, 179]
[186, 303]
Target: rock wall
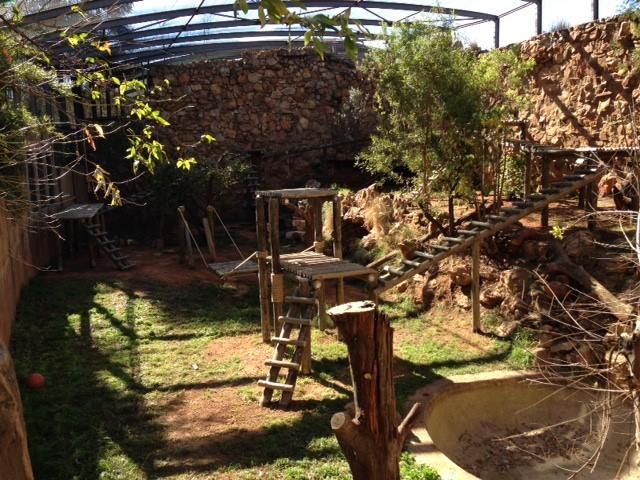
[270, 101]
[584, 85]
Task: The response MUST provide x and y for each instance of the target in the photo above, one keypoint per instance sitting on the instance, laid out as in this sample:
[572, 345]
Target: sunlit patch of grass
[521, 357]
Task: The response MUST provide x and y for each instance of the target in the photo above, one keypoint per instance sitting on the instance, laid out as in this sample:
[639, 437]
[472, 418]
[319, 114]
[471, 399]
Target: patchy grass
[153, 381]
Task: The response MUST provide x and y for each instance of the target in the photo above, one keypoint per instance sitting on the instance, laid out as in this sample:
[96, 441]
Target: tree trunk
[15, 463]
[452, 216]
[370, 437]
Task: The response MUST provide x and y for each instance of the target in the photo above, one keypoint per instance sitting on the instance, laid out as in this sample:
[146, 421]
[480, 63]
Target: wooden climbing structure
[583, 178]
[91, 219]
[309, 271]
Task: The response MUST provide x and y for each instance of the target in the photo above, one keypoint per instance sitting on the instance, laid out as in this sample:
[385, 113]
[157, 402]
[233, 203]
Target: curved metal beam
[205, 48]
[52, 13]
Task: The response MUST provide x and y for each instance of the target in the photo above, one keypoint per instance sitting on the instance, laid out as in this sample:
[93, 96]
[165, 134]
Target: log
[263, 270]
[370, 435]
[15, 463]
[621, 310]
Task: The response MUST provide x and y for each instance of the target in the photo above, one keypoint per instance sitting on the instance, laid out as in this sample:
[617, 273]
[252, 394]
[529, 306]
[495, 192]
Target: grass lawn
[148, 381]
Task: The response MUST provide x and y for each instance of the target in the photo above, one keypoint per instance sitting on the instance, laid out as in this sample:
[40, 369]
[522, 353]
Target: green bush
[410, 470]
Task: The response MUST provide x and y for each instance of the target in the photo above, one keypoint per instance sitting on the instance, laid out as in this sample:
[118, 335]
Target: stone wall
[583, 86]
[269, 101]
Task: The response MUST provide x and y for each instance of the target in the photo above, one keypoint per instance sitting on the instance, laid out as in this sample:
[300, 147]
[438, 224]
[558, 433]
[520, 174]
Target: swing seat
[227, 270]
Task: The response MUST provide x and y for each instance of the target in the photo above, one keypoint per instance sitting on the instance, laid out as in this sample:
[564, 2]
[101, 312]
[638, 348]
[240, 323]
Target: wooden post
[212, 230]
[527, 175]
[318, 242]
[263, 272]
[591, 197]
[370, 436]
[181, 234]
[475, 287]
[546, 166]
[305, 367]
[276, 270]
[319, 287]
[210, 245]
[337, 244]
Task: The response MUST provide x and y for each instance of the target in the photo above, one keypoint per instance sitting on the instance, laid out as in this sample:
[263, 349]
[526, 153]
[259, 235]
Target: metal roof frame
[139, 44]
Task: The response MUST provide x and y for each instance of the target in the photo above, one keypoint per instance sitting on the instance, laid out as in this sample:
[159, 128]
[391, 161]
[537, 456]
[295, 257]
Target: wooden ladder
[107, 245]
[391, 275]
[289, 350]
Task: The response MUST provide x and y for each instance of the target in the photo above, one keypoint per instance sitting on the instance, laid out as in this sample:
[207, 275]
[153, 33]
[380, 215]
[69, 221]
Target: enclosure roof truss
[166, 35]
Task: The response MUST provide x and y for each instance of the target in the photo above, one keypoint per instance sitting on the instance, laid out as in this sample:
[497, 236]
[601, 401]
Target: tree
[437, 105]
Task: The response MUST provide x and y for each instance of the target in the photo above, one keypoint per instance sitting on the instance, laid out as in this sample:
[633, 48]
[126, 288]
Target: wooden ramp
[107, 245]
[474, 231]
[233, 269]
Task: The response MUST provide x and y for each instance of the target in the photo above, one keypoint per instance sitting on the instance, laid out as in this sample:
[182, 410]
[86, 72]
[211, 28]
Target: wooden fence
[15, 268]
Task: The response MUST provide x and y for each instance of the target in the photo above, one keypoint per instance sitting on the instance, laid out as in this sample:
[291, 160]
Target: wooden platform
[317, 266]
[226, 269]
[298, 193]
[79, 211]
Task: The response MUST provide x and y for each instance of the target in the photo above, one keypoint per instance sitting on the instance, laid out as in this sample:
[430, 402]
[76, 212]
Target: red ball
[35, 381]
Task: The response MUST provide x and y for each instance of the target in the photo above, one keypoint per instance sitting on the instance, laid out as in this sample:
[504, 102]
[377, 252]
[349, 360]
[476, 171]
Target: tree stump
[15, 463]
[370, 436]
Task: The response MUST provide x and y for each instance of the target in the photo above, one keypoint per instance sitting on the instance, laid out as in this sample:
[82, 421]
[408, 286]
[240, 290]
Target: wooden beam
[263, 271]
[276, 268]
[337, 244]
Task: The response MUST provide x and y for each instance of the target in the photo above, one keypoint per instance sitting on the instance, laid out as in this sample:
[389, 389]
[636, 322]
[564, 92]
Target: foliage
[521, 356]
[410, 470]
[438, 105]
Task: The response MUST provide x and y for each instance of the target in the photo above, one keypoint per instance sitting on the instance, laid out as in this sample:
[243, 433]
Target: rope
[228, 234]
[186, 225]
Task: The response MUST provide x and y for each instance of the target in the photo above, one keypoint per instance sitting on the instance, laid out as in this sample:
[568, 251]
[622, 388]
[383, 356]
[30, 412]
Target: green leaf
[244, 6]
[208, 138]
[308, 36]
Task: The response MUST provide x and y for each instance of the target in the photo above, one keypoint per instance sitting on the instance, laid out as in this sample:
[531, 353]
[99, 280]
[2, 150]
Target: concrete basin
[505, 426]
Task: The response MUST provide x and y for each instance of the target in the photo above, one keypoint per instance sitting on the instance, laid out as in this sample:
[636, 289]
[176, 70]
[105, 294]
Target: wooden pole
[207, 233]
[337, 244]
[316, 213]
[370, 436]
[263, 271]
[305, 367]
[276, 269]
[475, 287]
[212, 230]
[591, 197]
[546, 166]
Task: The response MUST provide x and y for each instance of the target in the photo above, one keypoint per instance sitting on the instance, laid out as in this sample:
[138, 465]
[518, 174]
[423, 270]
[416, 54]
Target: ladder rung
[305, 300]
[120, 258]
[288, 341]
[393, 270]
[454, 239]
[573, 178]
[549, 190]
[411, 263]
[468, 232]
[522, 205]
[275, 386]
[444, 248]
[425, 255]
[282, 364]
[295, 321]
[127, 266]
[384, 278]
[496, 218]
[476, 223]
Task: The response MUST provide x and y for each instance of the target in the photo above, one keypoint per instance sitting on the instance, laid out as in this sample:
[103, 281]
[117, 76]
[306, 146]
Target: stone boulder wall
[14, 455]
[584, 84]
[271, 101]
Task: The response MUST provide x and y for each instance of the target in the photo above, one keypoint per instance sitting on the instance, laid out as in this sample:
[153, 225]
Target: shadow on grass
[92, 416]
[96, 415]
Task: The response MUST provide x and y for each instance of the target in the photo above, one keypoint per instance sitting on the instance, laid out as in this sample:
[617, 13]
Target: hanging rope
[228, 233]
[186, 225]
